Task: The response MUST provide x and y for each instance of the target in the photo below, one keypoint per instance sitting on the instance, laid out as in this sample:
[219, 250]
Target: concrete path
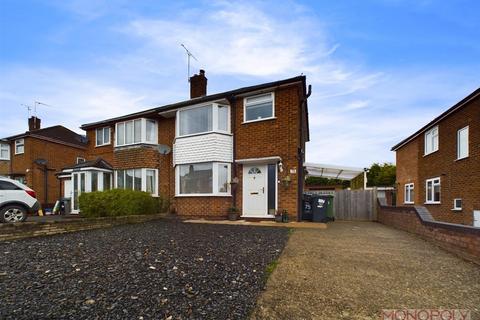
[354, 270]
[291, 224]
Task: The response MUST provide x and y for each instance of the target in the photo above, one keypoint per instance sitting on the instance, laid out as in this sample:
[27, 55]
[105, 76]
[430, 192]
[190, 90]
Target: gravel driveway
[154, 270]
[354, 270]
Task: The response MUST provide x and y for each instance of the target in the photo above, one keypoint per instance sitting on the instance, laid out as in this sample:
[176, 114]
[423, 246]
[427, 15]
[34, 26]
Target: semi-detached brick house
[34, 156]
[242, 148]
[439, 165]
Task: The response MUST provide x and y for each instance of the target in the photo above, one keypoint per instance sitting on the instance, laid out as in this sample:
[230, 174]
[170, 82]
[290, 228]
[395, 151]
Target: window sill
[408, 202]
[427, 154]
[432, 203]
[4, 159]
[102, 145]
[197, 195]
[461, 158]
[138, 144]
[457, 209]
[20, 153]
[204, 133]
[259, 120]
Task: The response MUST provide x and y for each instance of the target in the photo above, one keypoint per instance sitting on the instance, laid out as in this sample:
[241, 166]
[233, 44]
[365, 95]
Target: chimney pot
[198, 85]
[34, 123]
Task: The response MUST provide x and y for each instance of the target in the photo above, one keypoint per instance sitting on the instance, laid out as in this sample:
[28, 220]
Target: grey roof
[97, 163]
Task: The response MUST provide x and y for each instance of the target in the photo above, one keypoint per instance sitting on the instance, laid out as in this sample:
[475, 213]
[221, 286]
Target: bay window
[433, 191]
[259, 107]
[136, 131]
[203, 119]
[137, 179]
[210, 178]
[4, 151]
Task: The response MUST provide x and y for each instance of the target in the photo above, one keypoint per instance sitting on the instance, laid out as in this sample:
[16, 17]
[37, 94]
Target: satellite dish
[163, 149]
[41, 162]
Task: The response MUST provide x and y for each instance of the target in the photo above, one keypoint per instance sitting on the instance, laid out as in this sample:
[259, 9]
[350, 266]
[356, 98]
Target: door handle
[263, 189]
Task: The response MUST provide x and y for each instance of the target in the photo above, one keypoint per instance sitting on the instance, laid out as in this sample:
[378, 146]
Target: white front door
[476, 218]
[255, 190]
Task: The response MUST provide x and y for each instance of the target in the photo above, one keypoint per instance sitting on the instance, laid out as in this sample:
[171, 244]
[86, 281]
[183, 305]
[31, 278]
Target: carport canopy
[332, 172]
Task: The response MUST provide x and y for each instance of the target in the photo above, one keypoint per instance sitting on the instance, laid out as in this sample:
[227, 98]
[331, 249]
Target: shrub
[119, 202]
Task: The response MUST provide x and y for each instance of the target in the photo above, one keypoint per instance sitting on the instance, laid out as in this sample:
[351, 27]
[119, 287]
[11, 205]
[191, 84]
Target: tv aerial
[189, 55]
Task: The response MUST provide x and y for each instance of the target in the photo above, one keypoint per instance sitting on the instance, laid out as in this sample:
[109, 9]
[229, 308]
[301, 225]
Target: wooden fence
[357, 205]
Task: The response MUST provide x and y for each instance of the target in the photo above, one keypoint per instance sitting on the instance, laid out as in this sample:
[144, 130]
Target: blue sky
[380, 69]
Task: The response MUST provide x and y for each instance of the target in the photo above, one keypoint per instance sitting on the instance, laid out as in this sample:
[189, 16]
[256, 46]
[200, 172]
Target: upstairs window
[203, 119]
[462, 143]
[431, 140]
[102, 136]
[260, 107]
[409, 189]
[135, 132]
[4, 151]
[433, 191]
[19, 146]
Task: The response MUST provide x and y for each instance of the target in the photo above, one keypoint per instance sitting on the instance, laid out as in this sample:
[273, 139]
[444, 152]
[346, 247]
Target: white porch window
[143, 179]
[462, 143]
[433, 191]
[203, 119]
[4, 151]
[409, 192]
[431, 140]
[259, 107]
[19, 146]
[135, 132]
[200, 179]
[102, 136]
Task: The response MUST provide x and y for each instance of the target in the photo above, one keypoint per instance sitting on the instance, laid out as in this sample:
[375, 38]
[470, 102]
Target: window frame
[430, 131]
[455, 208]
[407, 197]
[143, 132]
[143, 177]
[5, 147]
[432, 180]
[467, 145]
[215, 180]
[103, 136]
[18, 144]
[245, 104]
[215, 125]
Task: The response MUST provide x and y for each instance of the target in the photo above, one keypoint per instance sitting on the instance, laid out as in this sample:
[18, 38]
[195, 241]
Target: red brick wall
[459, 178]
[4, 167]
[459, 239]
[277, 137]
[407, 171]
[57, 155]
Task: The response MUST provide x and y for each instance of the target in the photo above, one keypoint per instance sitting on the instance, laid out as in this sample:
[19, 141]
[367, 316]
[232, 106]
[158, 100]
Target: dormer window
[259, 107]
[135, 132]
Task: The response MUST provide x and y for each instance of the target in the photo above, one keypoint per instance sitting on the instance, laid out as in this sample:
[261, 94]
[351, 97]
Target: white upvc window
[19, 146]
[203, 119]
[135, 132]
[259, 107]
[457, 204]
[102, 136]
[431, 140]
[432, 191]
[462, 143]
[141, 179]
[203, 179]
[409, 193]
[80, 160]
[4, 151]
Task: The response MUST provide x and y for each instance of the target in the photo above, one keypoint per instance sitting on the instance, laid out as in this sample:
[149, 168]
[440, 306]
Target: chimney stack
[33, 123]
[198, 85]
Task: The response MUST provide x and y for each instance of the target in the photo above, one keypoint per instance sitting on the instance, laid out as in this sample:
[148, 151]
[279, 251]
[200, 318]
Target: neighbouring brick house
[33, 157]
[439, 165]
[242, 148]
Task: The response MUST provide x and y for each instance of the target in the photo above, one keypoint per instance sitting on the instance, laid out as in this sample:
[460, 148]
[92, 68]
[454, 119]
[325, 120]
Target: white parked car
[16, 201]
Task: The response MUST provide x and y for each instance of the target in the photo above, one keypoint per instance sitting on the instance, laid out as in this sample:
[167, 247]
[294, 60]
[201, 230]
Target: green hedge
[118, 202]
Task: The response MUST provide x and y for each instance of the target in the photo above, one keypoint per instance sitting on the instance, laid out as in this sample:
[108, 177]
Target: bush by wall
[119, 202]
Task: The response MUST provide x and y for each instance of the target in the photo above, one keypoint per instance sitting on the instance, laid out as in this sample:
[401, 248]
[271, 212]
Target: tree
[381, 175]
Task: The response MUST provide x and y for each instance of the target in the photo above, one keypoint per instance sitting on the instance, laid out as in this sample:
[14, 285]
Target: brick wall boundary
[461, 240]
[13, 231]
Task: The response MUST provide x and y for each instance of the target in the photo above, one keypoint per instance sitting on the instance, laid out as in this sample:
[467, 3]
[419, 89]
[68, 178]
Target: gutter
[301, 152]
